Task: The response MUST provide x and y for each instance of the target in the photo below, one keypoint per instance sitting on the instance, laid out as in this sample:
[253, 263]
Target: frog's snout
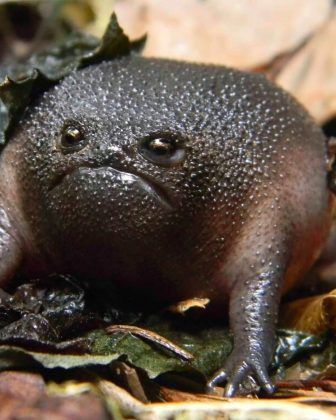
[141, 184]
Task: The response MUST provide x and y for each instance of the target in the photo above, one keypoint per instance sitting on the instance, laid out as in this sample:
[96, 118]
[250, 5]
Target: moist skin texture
[236, 208]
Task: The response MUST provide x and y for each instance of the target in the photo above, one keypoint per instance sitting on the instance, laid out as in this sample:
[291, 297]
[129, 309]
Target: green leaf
[152, 359]
[210, 346]
[21, 83]
[12, 357]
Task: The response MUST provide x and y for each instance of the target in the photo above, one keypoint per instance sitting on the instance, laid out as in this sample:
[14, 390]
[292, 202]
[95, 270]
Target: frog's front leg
[254, 307]
[11, 253]
[257, 268]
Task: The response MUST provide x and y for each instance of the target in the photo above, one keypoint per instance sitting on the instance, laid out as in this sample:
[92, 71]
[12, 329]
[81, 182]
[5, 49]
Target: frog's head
[137, 159]
[150, 152]
[126, 147]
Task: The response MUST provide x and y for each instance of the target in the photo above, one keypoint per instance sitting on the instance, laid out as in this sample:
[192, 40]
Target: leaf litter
[54, 325]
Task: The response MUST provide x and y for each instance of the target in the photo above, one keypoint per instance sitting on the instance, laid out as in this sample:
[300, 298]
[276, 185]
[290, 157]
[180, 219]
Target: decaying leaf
[24, 81]
[82, 405]
[80, 13]
[101, 399]
[210, 347]
[295, 39]
[311, 74]
[329, 372]
[28, 387]
[303, 386]
[153, 337]
[234, 33]
[233, 410]
[129, 406]
[54, 323]
[314, 315]
[185, 305]
[293, 344]
[14, 97]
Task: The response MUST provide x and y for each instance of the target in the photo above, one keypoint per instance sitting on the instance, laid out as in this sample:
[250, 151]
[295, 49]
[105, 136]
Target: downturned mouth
[164, 194]
[153, 187]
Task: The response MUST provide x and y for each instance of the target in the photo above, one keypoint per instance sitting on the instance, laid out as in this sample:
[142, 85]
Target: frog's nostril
[98, 147]
[128, 150]
[110, 153]
[118, 155]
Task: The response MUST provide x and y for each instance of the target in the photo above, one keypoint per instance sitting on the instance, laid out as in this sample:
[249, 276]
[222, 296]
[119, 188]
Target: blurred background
[291, 41]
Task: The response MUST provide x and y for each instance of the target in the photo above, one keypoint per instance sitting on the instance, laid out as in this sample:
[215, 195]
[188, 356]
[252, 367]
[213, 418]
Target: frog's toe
[239, 382]
[219, 377]
[264, 381]
[241, 379]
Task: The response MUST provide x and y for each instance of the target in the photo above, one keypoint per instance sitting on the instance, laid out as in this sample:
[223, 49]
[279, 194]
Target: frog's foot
[242, 375]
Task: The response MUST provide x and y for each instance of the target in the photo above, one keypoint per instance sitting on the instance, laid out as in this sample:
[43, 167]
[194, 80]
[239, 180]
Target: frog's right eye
[164, 149]
[72, 138]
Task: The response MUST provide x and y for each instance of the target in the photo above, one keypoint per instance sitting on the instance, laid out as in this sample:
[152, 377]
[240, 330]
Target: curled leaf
[314, 315]
[14, 97]
[153, 337]
[185, 305]
[114, 43]
[21, 83]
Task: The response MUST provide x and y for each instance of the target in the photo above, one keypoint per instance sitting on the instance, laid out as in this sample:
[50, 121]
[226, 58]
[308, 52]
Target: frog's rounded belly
[135, 235]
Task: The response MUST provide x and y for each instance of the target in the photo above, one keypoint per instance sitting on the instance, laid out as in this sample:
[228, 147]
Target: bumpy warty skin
[242, 217]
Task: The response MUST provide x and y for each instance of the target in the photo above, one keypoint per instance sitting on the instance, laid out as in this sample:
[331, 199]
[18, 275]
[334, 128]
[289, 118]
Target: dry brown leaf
[25, 396]
[185, 305]
[234, 410]
[239, 33]
[296, 38]
[314, 315]
[153, 337]
[311, 74]
[308, 388]
[78, 13]
[329, 373]
[171, 395]
[129, 379]
[24, 386]
[102, 11]
[82, 400]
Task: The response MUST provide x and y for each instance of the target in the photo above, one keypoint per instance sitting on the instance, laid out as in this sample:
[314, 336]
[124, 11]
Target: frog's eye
[163, 149]
[72, 138]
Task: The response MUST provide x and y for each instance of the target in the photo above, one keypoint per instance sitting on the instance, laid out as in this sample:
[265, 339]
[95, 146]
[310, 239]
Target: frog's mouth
[144, 181]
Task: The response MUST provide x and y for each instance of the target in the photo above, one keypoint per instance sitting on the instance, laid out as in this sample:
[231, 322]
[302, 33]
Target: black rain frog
[173, 181]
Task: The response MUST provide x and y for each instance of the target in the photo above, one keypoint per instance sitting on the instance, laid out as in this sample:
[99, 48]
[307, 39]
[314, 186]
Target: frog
[172, 181]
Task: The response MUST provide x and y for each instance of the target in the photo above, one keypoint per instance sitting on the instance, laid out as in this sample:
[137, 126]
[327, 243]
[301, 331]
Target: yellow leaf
[314, 315]
[185, 305]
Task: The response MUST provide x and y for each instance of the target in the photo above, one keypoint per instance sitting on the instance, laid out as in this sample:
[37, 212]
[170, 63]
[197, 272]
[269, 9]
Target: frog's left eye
[164, 149]
[72, 138]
